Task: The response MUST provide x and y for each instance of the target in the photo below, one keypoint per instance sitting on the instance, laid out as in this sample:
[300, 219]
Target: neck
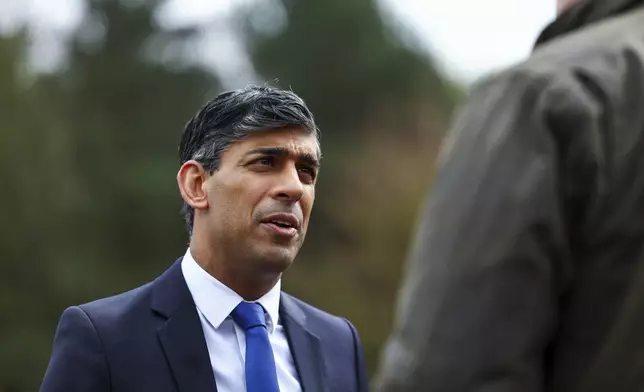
[248, 284]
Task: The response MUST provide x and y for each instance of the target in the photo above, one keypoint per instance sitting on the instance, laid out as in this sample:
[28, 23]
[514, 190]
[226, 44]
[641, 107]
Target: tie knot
[248, 315]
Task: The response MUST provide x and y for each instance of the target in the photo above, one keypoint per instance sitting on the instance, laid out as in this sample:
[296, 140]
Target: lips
[283, 220]
[282, 224]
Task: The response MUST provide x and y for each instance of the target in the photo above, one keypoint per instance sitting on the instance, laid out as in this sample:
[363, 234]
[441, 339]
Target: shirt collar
[216, 301]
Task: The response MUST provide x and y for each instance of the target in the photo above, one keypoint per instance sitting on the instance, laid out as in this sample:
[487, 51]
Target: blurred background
[94, 95]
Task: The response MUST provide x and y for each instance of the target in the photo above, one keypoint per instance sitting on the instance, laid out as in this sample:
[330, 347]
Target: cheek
[226, 201]
[234, 196]
[307, 203]
[243, 201]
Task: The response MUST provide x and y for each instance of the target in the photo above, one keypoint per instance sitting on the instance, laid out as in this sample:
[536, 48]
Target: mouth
[282, 224]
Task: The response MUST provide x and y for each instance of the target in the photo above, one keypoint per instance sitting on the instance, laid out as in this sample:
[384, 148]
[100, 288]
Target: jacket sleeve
[77, 363]
[478, 306]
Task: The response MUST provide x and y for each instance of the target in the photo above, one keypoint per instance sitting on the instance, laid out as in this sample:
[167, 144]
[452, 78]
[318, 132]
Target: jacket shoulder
[111, 309]
[602, 49]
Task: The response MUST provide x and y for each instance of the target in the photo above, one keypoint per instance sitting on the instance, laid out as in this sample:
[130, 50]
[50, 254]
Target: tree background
[88, 158]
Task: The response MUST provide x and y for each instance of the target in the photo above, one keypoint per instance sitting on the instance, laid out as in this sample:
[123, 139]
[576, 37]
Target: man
[528, 269]
[217, 320]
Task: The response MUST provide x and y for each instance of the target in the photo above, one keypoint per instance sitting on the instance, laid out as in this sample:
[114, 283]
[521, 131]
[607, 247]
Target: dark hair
[230, 117]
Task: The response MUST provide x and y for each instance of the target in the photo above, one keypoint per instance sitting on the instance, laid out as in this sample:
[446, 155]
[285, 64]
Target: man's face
[260, 199]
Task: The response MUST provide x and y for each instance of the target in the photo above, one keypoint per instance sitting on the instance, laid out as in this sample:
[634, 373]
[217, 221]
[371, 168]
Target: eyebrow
[284, 152]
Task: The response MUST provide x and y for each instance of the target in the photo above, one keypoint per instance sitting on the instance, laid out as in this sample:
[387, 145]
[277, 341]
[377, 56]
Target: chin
[276, 260]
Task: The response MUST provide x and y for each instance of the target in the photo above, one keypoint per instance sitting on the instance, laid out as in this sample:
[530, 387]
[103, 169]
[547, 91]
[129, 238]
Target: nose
[289, 187]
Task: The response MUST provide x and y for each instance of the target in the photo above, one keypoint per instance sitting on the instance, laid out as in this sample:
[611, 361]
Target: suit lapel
[304, 345]
[181, 336]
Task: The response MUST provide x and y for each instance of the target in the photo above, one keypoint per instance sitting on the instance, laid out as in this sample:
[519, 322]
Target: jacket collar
[181, 336]
[585, 13]
[170, 291]
[183, 341]
[304, 344]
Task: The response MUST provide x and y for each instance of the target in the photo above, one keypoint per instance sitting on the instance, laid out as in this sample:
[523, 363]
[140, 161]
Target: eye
[265, 161]
[308, 173]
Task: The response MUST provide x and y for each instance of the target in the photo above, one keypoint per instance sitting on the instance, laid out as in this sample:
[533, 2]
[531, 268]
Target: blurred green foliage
[88, 158]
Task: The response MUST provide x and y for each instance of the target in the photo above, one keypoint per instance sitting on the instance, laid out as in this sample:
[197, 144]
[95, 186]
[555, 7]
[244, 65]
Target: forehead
[297, 141]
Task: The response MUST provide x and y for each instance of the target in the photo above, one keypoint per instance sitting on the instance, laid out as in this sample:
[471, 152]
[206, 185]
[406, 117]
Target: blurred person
[217, 319]
[527, 272]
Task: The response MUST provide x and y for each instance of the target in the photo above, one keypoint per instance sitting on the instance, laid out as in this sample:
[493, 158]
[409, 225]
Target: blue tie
[261, 375]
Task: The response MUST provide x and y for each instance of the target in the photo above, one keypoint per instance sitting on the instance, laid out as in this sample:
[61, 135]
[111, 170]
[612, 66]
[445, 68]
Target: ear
[191, 179]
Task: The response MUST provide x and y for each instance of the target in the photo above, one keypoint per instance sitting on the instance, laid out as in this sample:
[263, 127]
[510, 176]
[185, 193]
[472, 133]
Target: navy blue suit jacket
[150, 339]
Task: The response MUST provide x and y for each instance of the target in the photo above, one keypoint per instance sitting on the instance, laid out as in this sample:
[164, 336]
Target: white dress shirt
[226, 341]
